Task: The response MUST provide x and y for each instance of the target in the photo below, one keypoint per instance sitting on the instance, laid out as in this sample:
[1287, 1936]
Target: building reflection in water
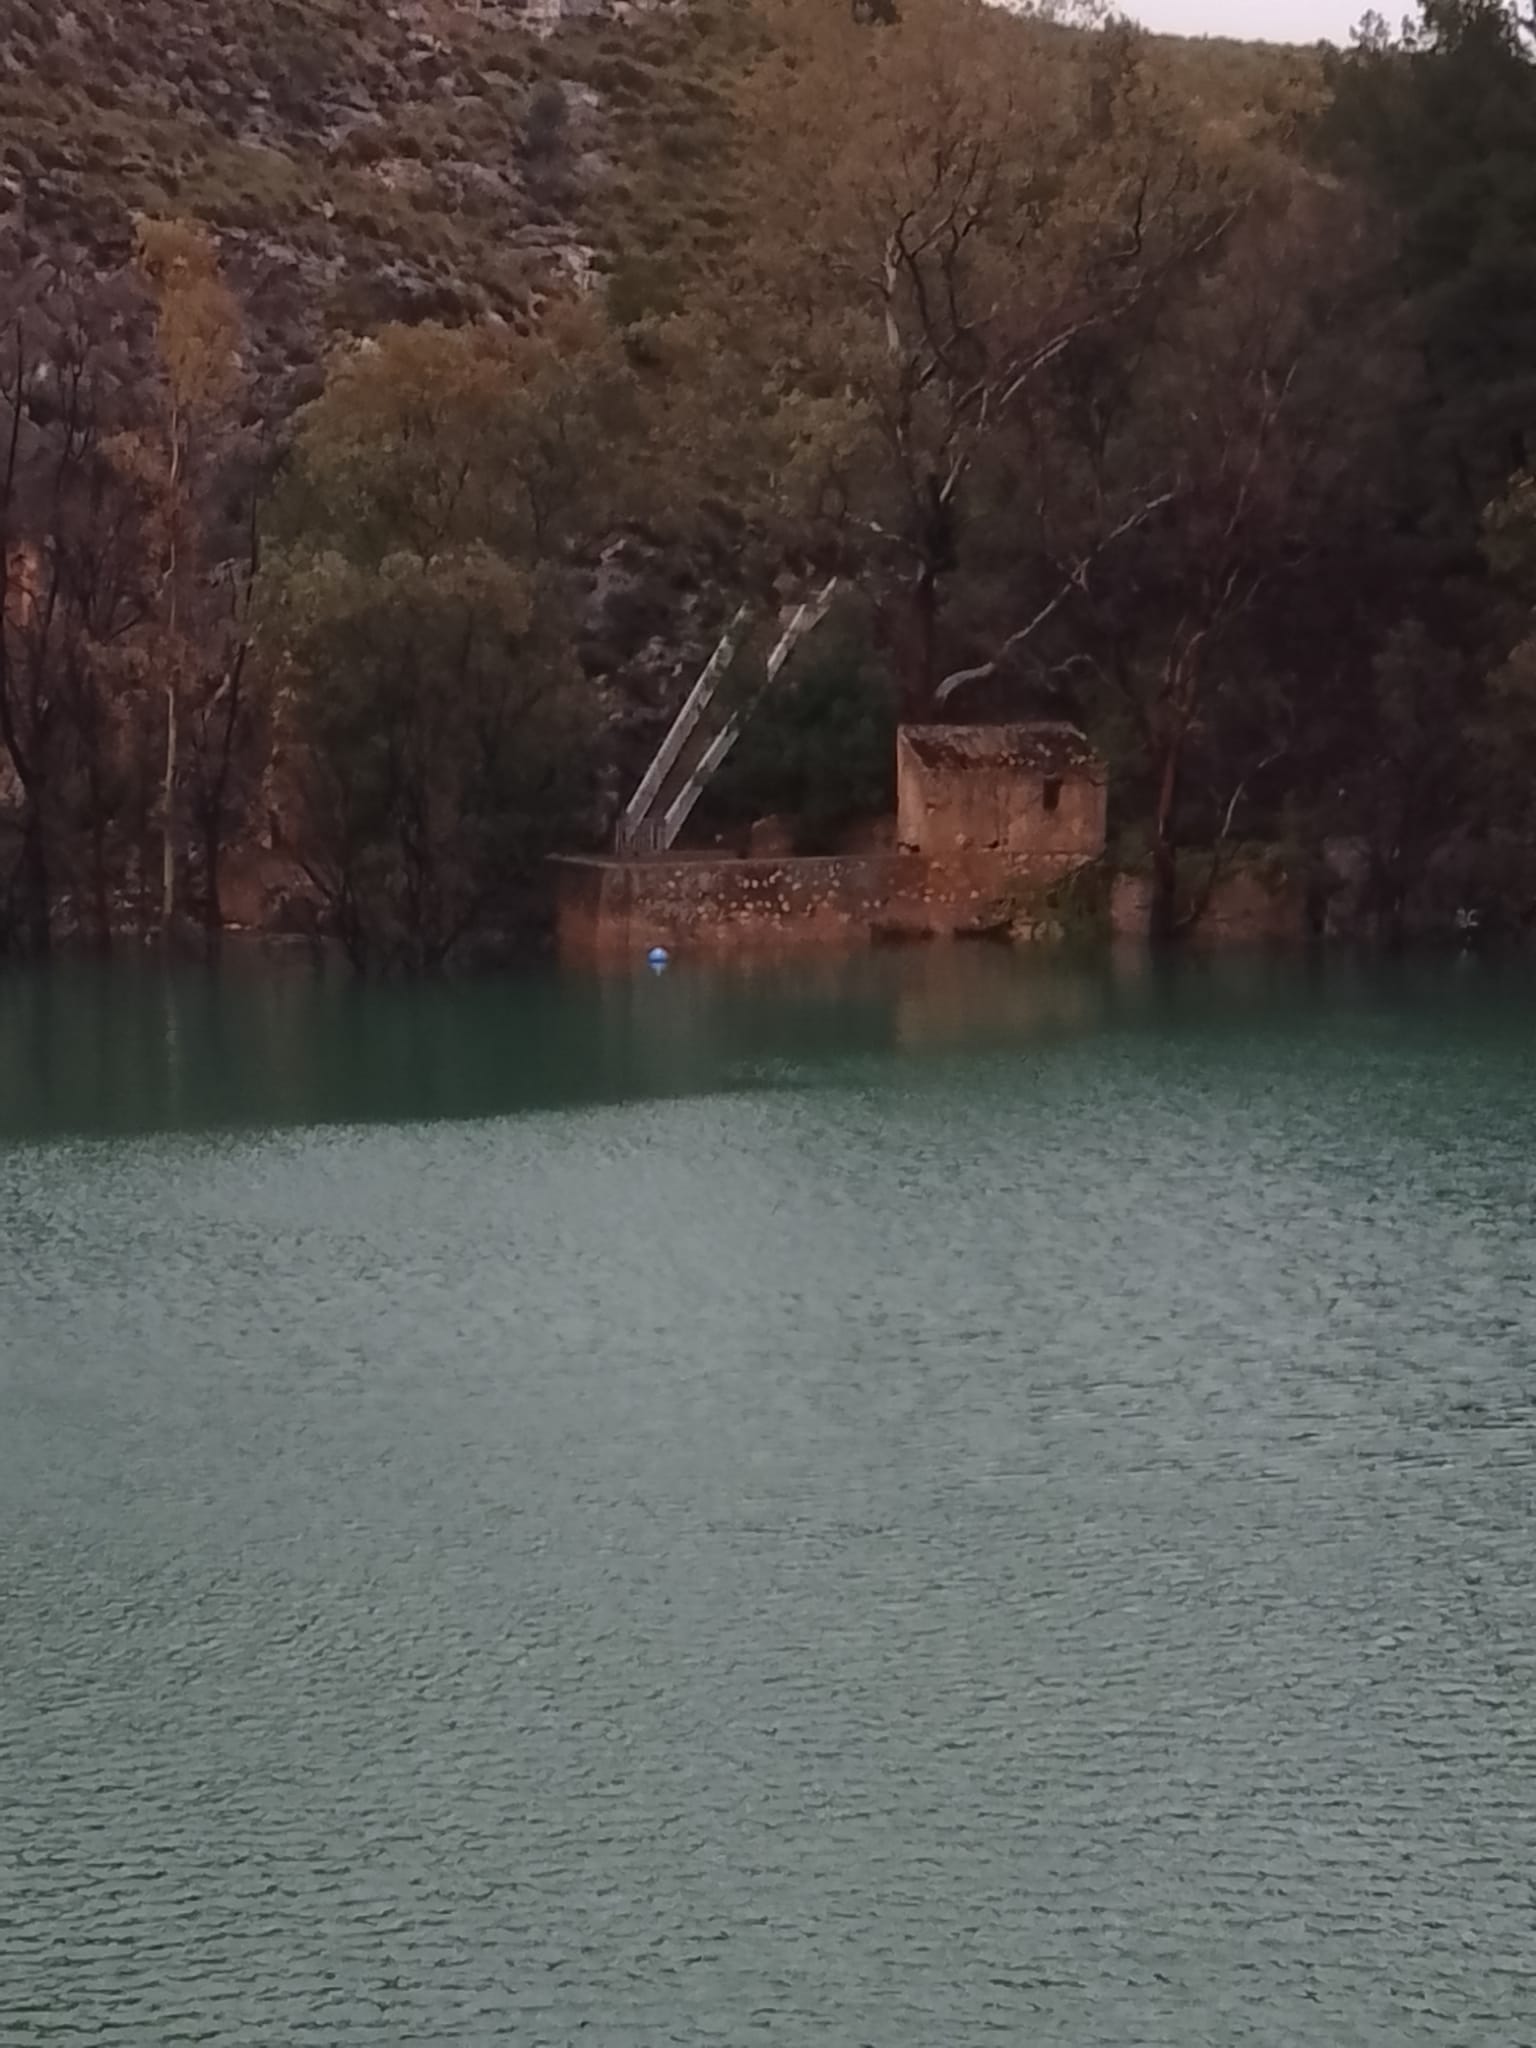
[108, 1049]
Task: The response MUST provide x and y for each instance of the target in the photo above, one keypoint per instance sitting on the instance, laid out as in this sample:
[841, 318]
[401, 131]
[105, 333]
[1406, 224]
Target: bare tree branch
[1076, 581]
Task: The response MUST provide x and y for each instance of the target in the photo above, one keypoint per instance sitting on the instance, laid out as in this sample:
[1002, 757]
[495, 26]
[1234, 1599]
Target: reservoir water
[917, 1501]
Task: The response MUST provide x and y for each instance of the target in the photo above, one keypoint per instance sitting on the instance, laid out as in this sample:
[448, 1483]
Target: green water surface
[928, 1499]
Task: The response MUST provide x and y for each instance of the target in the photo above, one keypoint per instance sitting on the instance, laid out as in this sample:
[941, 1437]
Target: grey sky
[1292, 21]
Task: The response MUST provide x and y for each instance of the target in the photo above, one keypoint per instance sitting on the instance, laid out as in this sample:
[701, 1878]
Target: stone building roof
[1040, 746]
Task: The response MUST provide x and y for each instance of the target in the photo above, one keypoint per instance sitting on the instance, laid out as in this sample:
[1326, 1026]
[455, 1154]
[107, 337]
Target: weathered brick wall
[997, 809]
[621, 908]
[964, 892]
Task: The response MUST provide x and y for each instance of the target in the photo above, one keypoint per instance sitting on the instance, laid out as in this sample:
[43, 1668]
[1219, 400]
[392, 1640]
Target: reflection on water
[914, 1500]
[100, 1049]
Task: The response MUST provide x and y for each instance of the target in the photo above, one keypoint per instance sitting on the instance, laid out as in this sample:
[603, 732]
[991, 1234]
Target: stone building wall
[619, 909]
[1035, 790]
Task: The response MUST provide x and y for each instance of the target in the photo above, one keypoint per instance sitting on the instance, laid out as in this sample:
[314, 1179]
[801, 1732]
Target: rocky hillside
[362, 160]
[370, 160]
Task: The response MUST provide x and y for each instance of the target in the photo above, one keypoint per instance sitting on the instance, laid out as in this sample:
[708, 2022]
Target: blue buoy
[658, 956]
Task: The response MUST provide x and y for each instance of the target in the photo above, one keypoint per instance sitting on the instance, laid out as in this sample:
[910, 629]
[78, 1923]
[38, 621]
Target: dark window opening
[1051, 793]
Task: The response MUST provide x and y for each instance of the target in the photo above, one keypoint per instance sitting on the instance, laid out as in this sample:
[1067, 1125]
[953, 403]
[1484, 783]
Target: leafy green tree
[1414, 792]
[1183, 495]
[1428, 745]
[1502, 740]
[443, 734]
[821, 747]
[1440, 124]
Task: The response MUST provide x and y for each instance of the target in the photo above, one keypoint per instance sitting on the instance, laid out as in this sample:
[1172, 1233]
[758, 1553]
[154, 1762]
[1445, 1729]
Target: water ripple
[1011, 1549]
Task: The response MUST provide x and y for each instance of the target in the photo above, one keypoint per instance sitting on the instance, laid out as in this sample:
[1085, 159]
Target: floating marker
[658, 956]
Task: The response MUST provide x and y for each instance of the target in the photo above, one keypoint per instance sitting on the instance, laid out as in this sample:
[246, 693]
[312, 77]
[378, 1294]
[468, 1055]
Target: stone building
[1037, 789]
[987, 815]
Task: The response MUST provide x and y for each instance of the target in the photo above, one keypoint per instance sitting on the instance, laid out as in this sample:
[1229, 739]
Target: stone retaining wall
[621, 908]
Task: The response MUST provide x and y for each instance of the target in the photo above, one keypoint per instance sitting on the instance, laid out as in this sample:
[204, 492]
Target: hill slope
[361, 161]
[368, 160]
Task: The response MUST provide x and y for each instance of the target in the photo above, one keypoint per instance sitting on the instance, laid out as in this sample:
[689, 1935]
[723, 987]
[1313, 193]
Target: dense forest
[395, 404]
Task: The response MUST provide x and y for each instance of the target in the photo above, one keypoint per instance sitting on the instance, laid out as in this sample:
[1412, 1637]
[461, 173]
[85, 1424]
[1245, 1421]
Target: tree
[178, 458]
[944, 212]
[1184, 496]
[1440, 126]
[822, 747]
[1254, 409]
[441, 729]
[72, 545]
[1437, 127]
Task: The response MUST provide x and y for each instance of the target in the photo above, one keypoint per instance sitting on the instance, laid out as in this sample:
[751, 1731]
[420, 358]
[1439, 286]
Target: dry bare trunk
[37, 908]
[1163, 926]
[172, 570]
[213, 911]
[921, 663]
[168, 835]
[100, 892]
